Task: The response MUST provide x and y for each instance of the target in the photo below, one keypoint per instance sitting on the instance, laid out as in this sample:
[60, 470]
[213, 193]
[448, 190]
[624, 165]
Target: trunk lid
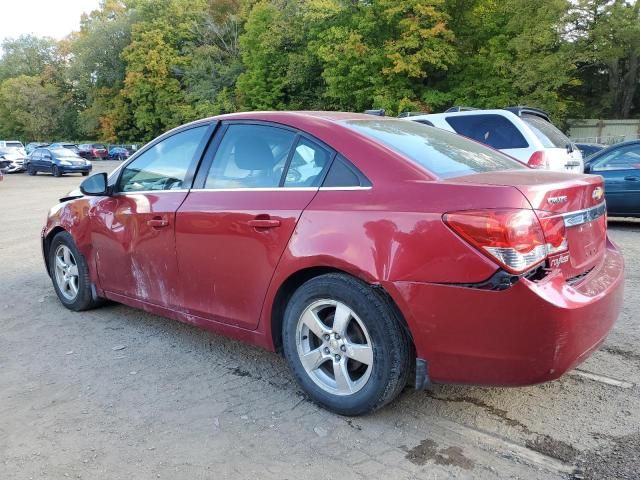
[578, 199]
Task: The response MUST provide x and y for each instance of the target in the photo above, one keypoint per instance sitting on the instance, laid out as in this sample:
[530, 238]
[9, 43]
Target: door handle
[158, 222]
[631, 179]
[264, 223]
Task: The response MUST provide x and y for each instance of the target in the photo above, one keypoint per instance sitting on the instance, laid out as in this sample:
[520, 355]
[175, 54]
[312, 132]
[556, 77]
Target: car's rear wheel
[84, 174]
[56, 171]
[345, 344]
[31, 171]
[70, 274]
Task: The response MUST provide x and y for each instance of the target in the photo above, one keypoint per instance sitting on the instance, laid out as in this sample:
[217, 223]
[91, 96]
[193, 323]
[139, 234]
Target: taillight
[555, 234]
[538, 160]
[516, 239]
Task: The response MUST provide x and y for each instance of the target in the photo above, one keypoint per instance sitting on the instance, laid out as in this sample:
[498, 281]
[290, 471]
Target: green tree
[27, 55]
[605, 40]
[29, 108]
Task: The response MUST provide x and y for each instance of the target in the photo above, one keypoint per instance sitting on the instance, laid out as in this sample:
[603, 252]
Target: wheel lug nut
[326, 349]
[326, 336]
[343, 348]
[337, 357]
[337, 336]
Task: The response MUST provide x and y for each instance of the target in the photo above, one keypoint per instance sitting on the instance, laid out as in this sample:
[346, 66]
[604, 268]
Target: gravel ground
[117, 393]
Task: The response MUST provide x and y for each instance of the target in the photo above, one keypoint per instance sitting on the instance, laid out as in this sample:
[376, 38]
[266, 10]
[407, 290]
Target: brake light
[516, 239]
[538, 160]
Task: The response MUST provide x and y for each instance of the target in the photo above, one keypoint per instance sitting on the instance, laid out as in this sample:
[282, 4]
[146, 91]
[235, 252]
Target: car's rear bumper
[529, 333]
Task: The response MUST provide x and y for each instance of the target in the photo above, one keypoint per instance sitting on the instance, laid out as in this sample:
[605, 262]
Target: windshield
[63, 152]
[442, 153]
[549, 135]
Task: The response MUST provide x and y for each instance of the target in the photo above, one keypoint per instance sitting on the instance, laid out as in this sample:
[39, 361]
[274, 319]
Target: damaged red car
[371, 252]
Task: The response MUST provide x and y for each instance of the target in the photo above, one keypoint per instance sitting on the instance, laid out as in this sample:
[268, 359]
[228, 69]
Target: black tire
[56, 171]
[31, 171]
[84, 174]
[84, 299]
[391, 345]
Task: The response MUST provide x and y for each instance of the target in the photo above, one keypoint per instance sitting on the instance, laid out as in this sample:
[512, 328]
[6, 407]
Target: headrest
[253, 153]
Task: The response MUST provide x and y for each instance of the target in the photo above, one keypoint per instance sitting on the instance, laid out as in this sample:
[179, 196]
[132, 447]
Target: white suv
[524, 133]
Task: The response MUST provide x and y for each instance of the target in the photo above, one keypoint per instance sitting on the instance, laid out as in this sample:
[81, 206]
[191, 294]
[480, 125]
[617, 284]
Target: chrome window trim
[580, 217]
[261, 189]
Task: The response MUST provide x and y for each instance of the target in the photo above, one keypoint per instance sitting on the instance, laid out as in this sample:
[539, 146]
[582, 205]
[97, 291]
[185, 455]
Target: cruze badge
[598, 193]
[557, 200]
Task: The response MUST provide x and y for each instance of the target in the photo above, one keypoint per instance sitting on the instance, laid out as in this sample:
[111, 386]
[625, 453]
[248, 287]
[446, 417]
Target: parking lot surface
[120, 394]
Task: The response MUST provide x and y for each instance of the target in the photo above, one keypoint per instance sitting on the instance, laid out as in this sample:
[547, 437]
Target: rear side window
[490, 129]
[250, 156]
[307, 164]
[549, 135]
[344, 174]
[438, 151]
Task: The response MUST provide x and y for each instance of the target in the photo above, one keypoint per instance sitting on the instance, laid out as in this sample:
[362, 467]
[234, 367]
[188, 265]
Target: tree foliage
[136, 68]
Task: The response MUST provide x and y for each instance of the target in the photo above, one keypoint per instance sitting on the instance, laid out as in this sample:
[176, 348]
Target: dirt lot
[120, 394]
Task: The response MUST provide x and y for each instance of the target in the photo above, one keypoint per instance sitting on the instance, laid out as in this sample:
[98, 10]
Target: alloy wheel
[334, 347]
[66, 272]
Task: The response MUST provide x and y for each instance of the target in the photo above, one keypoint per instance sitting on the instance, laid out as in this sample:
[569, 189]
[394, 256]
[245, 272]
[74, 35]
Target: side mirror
[95, 185]
[47, 156]
[587, 168]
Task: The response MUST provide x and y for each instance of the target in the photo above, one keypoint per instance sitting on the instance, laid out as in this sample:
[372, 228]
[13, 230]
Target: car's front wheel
[345, 344]
[30, 170]
[70, 274]
[56, 171]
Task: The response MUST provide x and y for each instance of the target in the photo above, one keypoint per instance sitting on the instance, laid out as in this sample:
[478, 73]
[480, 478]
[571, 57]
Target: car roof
[465, 113]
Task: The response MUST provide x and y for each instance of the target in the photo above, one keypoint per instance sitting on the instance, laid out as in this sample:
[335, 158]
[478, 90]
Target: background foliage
[139, 67]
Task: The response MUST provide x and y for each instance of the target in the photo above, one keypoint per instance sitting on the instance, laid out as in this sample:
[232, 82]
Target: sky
[43, 18]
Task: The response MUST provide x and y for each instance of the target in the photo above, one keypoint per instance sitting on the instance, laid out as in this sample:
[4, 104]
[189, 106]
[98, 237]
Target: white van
[524, 133]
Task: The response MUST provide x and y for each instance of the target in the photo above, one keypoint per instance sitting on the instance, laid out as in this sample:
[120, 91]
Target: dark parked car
[363, 248]
[69, 146]
[589, 149]
[119, 153]
[620, 167]
[92, 151]
[33, 145]
[57, 161]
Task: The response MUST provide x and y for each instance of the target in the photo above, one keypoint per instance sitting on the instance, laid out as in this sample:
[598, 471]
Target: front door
[621, 171]
[133, 230]
[232, 230]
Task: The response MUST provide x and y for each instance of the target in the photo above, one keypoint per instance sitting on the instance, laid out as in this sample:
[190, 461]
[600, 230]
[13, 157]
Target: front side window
[165, 165]
[626, 158]
[250, 156]
[442, 153]
[490, 129]
[307, 164]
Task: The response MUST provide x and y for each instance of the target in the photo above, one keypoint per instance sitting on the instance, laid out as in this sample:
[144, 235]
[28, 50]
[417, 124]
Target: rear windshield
[443, 153]
[99, 146]
[14, 145]
[491, 129]
[549, 135]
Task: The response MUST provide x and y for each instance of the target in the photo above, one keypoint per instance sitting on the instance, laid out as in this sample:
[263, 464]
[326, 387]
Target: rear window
[490, 129]
[14, 145]
[440, 152]
[549, 135]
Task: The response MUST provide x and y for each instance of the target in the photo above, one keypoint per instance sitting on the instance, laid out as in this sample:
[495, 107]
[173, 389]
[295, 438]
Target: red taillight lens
[516, 239]
[538, 160]
[554, 232]
[513, 238]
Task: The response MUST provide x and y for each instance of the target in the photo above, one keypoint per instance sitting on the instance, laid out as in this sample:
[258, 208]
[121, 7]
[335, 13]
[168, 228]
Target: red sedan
[367, 250]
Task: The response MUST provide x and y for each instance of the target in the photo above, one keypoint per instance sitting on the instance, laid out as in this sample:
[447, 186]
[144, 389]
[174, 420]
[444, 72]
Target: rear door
[621, 171]
[234, 225]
